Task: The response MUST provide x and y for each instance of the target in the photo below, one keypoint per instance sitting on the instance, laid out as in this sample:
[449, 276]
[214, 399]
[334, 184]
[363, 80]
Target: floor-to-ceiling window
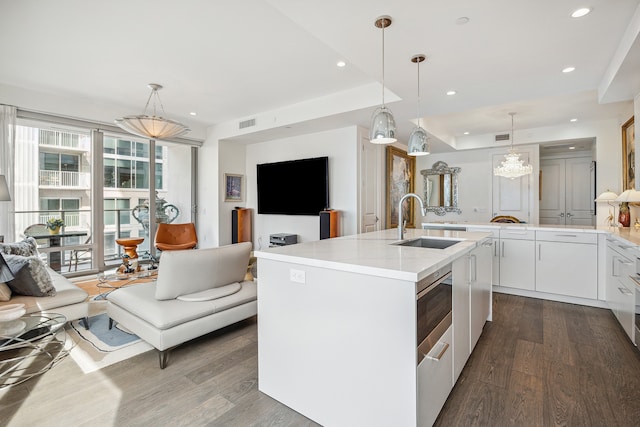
[54, 178]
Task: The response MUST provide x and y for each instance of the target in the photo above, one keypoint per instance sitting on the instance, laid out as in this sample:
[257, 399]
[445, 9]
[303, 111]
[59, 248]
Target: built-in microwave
[433, 309]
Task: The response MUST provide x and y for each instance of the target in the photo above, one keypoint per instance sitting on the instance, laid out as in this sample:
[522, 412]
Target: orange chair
[173, 237]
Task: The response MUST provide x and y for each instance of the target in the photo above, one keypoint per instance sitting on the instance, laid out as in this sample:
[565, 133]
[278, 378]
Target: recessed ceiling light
[193, 113]
[573, 120]
[462, 20]
[341, 64]
[572, 148]
[466, 133]
[451, 92]
[568, 69]
[579, 13]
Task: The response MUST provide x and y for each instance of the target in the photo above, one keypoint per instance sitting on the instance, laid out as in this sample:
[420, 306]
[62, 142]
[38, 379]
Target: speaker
[240, 225]
[328, 224]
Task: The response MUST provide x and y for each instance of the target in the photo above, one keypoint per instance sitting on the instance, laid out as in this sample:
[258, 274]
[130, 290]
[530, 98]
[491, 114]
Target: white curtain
[7, 153]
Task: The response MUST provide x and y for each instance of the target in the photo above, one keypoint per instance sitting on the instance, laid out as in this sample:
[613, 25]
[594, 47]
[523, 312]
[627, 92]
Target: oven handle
[433, 285]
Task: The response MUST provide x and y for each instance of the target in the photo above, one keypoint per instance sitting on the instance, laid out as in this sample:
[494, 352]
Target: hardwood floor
[545, 363]
[538, 363]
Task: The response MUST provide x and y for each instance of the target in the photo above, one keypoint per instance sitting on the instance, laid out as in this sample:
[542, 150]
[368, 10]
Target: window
[111, 206]
[59, 162]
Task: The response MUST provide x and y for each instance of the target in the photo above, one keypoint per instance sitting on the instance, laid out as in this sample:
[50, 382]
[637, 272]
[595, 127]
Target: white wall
[208, 194]
[475, 180]
[340, 145]
[231, 159]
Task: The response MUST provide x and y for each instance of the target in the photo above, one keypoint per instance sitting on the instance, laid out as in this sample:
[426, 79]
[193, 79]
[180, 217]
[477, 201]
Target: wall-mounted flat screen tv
[296, 187]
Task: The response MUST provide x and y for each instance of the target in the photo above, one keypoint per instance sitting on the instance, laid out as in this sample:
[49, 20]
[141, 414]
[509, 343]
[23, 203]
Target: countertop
[374, 253]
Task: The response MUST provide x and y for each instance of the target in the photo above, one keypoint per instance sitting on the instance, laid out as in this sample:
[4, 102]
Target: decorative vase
[55, 230]
[624, 217]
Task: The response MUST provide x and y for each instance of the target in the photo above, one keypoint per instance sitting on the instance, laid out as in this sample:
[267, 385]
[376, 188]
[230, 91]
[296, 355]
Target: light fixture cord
[383, 26]
[157, 96]
[418, 106]
[512, 114]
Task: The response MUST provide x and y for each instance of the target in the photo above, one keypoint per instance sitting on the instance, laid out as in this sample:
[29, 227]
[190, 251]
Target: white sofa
[69, 300]
[197, 291]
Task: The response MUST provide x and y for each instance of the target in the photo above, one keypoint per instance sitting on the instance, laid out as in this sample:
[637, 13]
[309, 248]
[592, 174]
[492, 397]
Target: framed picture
[400, 181]
[628, 156]
[233, 187]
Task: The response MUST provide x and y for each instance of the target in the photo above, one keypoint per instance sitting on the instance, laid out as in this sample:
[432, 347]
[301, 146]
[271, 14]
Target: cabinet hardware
[473, 271]
[437, 358]
[562, 215]
[625, 291]
[567, 235]
[502, 249]
[495, 248]
[569, 214]
[539, 251]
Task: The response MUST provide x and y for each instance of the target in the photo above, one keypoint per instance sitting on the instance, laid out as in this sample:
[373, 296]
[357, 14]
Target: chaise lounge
[197, 292]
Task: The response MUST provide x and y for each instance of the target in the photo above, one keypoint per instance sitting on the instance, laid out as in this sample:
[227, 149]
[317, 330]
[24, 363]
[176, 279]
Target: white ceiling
[232, 60]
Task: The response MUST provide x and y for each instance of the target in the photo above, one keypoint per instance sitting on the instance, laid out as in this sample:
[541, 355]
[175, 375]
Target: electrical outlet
[297, 276]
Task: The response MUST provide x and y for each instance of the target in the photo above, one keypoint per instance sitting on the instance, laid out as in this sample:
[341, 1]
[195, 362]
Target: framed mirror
[441, 188]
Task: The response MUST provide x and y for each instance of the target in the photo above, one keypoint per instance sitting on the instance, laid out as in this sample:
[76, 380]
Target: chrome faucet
[400, 221]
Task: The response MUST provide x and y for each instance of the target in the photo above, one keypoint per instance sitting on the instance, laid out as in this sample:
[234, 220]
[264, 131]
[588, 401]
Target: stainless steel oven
[433, 309]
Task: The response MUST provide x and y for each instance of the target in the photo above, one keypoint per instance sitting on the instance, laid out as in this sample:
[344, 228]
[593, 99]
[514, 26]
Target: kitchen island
[337, 324]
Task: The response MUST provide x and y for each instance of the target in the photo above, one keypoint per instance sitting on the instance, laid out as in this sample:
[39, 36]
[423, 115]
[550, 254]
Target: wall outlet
[297, 276]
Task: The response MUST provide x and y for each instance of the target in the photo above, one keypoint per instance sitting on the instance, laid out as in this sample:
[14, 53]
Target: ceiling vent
[502, 137]
[247, 123]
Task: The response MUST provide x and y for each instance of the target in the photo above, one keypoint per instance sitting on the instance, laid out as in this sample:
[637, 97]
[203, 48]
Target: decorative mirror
[441, 188]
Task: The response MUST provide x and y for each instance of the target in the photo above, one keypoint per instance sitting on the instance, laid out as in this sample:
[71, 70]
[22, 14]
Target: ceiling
[275, 60]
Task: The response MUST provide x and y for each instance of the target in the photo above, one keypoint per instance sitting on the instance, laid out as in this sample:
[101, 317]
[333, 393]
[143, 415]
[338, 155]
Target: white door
[567, 191]
[511, 196]
[370, 185]
[552, 187]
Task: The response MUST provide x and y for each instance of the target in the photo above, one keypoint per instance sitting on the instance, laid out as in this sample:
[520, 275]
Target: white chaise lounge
[198, 291]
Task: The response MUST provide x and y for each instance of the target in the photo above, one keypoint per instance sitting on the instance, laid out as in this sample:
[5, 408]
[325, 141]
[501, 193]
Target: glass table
[30, 346]
[109, 282]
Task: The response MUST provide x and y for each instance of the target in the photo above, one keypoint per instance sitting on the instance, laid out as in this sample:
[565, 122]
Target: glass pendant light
[512, 167]
[418, 140]
[383, 125]
[154, 127]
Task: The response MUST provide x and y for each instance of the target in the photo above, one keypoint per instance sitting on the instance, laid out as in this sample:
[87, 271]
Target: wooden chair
[505, 218]
[171, 237]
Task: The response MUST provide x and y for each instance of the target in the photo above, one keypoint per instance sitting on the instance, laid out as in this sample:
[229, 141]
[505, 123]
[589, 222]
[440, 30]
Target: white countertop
[374, 253]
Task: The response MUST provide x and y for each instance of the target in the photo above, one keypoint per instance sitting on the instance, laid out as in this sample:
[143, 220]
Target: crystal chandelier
[383, 125]
[154, 127]
[512, 167]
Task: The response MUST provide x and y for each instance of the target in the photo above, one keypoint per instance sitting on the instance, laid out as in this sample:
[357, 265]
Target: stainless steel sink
[428, 242]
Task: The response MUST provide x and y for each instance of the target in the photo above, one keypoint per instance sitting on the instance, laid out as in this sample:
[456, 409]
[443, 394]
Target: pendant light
[154, 127]
[512, 167]
[383, 125]
[418, 140]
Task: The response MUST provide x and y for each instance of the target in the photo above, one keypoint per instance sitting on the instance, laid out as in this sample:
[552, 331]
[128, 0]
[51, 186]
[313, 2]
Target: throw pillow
[30, 276]
[5, 292]
[27, 247]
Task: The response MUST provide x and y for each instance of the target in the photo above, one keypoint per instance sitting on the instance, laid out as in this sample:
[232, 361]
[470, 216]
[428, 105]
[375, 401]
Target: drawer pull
[625, 291]
[437, 358]
[566, 235]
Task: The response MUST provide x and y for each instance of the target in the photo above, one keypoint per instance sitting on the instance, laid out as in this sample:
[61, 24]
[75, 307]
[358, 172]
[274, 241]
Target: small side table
[130, 246]
[30, 346]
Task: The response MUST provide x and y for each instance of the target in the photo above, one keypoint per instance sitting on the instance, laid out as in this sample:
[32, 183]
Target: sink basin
[427, 242]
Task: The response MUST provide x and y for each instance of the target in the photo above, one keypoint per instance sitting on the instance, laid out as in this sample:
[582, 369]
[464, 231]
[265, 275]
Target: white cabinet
[567, 263]
[620, 287]
[495, 251]
[460, 313]
[480, 291]
[435, 380]
[471, 303]
[517, 258]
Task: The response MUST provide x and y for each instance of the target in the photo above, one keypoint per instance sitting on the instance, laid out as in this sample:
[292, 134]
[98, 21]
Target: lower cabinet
[434, 379]
[620, 287]
[567, 264]
[517, 259]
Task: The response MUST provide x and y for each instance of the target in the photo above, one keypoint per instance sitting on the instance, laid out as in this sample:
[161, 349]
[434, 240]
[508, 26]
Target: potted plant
[54, 224]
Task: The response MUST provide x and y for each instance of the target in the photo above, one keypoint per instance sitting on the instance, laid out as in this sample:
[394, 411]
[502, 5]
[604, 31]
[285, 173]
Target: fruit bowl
[11, 312]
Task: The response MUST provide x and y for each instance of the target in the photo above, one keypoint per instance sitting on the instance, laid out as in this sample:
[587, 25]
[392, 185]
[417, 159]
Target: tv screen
[296, 187]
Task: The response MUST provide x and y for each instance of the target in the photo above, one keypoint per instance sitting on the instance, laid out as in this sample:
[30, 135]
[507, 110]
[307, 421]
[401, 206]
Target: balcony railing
[65, 179]
[64, 139]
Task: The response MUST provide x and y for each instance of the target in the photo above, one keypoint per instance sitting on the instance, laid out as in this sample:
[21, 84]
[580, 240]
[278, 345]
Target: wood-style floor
[538, 363]
[545, 363]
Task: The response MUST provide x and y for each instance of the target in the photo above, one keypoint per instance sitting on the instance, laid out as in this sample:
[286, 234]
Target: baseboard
[551, 297]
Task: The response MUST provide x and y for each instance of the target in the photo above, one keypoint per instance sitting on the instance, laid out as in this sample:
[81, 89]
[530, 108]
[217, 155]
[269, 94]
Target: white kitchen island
[337, 324]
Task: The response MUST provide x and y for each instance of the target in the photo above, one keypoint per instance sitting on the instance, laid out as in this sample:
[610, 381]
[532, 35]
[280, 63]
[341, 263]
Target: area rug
[98, 347]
